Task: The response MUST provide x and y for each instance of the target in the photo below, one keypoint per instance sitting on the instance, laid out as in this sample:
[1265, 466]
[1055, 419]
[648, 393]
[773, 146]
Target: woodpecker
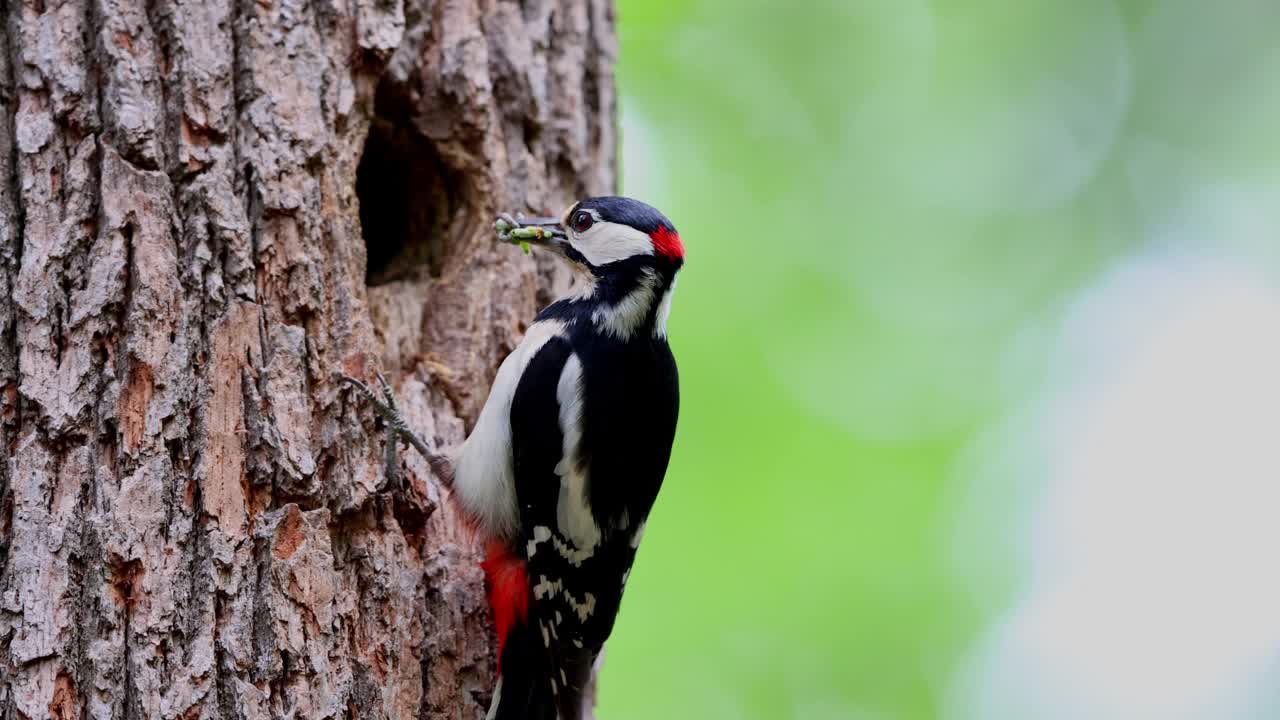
[568, 453]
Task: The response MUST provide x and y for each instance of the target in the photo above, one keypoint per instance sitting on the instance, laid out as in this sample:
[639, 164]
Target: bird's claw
[384, 403]
[388, 397]
[388, 410]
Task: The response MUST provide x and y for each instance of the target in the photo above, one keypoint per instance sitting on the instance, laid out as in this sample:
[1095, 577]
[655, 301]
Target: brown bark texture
[209, 210]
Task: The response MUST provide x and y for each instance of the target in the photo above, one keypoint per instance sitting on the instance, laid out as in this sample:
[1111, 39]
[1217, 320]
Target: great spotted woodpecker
[567, 455]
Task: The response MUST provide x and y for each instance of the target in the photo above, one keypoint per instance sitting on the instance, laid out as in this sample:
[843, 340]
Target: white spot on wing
[541, 533]
[546, 588]
[574, 556]
[573, 514]
[484, 478]
[639, 533]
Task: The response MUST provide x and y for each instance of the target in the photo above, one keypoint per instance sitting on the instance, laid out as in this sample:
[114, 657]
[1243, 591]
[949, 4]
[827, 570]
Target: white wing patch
[484, 477]
[624, 317]
[573, 513]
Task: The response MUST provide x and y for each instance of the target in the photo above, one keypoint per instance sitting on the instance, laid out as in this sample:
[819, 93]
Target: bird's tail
[533, 686]
[523, 691]
[539, 677]
[524, 688]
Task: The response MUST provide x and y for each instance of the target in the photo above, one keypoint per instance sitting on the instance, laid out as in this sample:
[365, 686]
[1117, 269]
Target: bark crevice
[11, 229]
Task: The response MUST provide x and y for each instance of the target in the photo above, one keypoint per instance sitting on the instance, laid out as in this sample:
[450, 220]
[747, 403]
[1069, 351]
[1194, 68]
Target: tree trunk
[210, 209]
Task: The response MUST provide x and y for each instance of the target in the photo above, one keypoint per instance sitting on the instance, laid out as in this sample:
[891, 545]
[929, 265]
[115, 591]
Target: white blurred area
[1144, 568]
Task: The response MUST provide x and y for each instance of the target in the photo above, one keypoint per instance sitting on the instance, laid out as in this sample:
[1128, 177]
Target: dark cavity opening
[403, 188]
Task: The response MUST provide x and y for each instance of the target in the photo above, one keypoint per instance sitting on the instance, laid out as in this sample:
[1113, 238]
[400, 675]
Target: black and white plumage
[568, 454]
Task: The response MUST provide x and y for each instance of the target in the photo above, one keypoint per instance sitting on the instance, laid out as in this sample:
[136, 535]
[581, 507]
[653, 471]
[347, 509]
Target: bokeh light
[978, 349]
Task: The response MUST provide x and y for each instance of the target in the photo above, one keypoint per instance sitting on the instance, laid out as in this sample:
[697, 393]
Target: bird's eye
[581, 221]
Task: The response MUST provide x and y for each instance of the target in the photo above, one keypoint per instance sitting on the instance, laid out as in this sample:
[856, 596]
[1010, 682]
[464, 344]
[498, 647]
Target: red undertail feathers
[508, 584]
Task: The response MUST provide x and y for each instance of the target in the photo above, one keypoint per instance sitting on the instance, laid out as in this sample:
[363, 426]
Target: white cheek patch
[484, 477]
[623, 318]
[608, 242]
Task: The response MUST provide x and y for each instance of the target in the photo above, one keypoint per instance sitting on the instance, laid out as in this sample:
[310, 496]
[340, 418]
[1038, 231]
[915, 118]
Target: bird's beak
[542, 231]
[550, 226]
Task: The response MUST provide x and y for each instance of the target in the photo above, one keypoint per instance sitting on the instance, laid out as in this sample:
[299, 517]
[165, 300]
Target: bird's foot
[384, 403]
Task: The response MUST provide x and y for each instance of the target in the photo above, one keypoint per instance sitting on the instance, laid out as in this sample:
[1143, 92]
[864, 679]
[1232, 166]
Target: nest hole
[404, 191]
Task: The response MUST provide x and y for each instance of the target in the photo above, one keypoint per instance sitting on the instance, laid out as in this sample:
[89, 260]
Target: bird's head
[607, 235]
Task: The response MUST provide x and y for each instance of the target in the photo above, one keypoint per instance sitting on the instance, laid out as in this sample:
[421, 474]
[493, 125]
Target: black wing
[546, 668]
[628, 421]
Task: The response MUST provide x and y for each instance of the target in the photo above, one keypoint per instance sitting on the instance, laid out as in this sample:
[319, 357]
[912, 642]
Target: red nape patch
[666, 242]
[508, 584]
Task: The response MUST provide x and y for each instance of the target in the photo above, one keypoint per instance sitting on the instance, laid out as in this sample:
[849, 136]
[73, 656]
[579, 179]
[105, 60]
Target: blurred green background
[931, 247]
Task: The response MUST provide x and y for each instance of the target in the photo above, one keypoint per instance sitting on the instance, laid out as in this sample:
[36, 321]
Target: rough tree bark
[194, 521]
